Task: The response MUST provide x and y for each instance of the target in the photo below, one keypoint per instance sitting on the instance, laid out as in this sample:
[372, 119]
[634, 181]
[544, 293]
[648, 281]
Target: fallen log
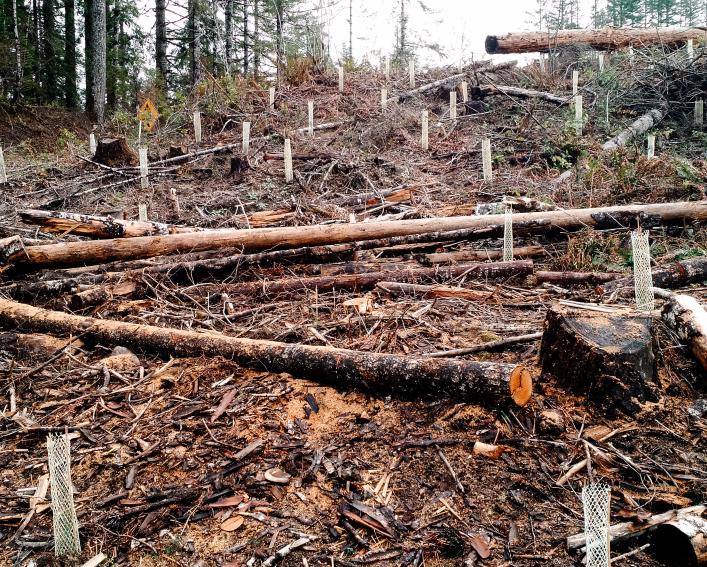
[625, 530]
[484, 271]
[433, 290]
[612, 359]
[481, 382]
[686, 316]
[682, 273]
[683, 541]
[98, 226]
[97, 252]
[603, 39]
[445, 83]
[637, 128]
[470, 255]
[490, 89]
[575, 278]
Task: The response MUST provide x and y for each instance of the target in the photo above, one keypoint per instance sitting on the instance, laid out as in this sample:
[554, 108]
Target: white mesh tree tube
[508, 235]
[595, 500]
[66, 525]
[642, 277]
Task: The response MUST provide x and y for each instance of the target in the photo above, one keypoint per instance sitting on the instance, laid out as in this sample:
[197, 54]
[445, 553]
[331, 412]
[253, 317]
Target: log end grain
[521, 385]
[491, 44]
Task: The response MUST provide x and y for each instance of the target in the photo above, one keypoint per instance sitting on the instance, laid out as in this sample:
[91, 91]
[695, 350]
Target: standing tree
[49, 47]
[71, 94]
[161, 47]
[98, 41]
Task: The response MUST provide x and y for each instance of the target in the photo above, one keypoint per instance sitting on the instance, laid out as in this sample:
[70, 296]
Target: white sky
[459, 26]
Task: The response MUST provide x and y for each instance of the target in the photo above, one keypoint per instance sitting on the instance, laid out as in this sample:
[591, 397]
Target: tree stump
[608, 357]
[115, 152]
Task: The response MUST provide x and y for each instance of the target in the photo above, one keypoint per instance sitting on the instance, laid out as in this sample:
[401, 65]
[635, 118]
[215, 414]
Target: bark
[680, 274]
[612, 360]
[686, 316]
[639, 127]
[115, 152]
[99, 59]
[683, 541]
[626, 530]
[71, 94]
[363, 281]
[604, 39]
[378, 373]
[97, 252]
[161, 64]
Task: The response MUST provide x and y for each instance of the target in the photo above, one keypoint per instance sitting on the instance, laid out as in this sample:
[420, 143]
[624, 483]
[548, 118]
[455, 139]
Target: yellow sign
[147, 113]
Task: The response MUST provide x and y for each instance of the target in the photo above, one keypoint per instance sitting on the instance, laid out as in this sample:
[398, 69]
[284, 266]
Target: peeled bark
[488, 90]
[604, 39]
[482, 382]
[640, 126]
[686, 316]
[97, 252]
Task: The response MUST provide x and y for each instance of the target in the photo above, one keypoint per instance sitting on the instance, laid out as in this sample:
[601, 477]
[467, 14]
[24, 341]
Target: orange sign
[147, 113]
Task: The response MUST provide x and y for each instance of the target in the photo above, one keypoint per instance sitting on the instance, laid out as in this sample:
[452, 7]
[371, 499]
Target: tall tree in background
[246, 45]
[256, 38]
[228, 30]
[161, 47]
[71, 94]
[98, 41]
[18, 54]
[49, 50]
[88, 55]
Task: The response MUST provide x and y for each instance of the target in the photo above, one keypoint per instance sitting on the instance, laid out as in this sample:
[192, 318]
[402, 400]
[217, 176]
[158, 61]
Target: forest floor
[158, 462]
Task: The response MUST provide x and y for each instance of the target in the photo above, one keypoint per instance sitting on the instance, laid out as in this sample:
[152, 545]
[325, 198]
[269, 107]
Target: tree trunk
[82, 253]
[489, 90]
[483, 271]
[50, 61]
[194, 29]
[71, 94]
[612, 359]
[481, 382]
[686, 316]
[17, 87]
[279, 40]
[605, 39]
[228, 30]
[99, 59]
[112, 49]
[246, 45]
[161, 64]
[678, 275]
[256, 39]
[467, 255]
[639, 127]
[88, 55]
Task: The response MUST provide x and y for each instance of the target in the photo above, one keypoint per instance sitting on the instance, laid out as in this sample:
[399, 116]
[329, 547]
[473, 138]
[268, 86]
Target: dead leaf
[277, 476]
[232, 524]
[227, 502]
[480, 544]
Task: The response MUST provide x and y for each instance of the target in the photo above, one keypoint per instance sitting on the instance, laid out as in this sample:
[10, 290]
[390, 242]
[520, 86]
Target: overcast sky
[459, 26]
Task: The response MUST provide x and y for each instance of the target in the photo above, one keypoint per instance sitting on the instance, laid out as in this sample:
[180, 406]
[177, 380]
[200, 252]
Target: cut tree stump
[606, 356]
[115, 152]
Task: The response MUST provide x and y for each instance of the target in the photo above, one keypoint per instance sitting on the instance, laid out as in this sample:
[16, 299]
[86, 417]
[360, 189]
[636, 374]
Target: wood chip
[277, 476]
[232, 524]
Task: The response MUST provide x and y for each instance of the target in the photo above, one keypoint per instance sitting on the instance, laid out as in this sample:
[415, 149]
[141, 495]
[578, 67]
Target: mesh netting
[246, 137]
[65, 523]
[486, 159]
[425, 140]
[3, 173]
[144, 180]
[595, 500]
[651, 146]
[699, 112]
[197, 126]
[288, 161]
[508, 235]
[642, 277]
[453, 105]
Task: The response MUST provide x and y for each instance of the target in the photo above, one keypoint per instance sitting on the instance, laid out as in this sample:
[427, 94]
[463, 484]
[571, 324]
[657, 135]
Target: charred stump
[608, 357]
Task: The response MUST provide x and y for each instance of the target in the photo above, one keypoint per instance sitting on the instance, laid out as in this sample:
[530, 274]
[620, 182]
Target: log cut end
[521, 385]
[606, 356]
[491, 44]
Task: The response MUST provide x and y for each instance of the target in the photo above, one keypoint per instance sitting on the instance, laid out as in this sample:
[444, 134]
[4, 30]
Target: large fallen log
[98, 252]
[447, 83]
[482, 382]
[604, 39]
[684, 315]
[489, 90]
[682, 273]
[491, 270]
[640, 126]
